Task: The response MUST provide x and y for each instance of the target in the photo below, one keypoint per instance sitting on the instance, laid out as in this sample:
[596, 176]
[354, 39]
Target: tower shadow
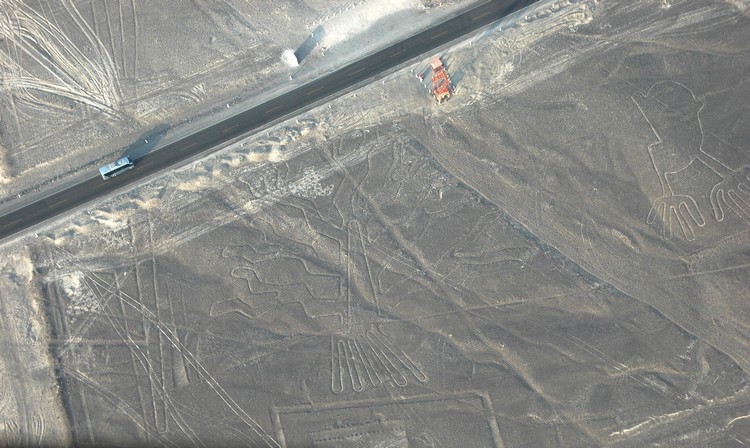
[310, 43]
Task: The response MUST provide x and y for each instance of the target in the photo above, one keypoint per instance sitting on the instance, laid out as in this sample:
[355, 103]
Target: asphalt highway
[293, 101]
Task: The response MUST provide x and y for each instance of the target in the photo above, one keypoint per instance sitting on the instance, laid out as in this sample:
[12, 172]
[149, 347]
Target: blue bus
[113, 169]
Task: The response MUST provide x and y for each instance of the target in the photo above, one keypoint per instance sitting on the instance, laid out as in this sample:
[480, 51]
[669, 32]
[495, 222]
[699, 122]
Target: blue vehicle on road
[113, 169]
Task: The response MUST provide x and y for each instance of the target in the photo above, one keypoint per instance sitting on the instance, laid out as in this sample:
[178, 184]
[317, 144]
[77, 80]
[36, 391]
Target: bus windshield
[115, 168]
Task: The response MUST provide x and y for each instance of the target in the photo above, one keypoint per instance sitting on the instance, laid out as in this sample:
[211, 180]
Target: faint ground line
[368, 268]
[178, 361]
[132, 355]
[157, 311]
[78, 77]
[146, 364]
[195, 363]
[349, 276]
[135, 350]
[122, 35]
[146, 325]
[76, 334]
[135, 51]
[115, 400]
[108, 63]
[618, 366]
[711, 271]
[167, 332]
[109, 31]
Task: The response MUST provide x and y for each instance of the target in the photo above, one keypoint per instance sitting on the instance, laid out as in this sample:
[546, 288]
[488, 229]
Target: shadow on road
[146, 142]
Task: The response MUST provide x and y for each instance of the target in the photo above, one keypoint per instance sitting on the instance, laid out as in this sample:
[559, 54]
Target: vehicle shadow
[146, 142]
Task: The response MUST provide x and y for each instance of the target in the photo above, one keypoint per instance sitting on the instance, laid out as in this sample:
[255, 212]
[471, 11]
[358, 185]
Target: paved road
[295, 100]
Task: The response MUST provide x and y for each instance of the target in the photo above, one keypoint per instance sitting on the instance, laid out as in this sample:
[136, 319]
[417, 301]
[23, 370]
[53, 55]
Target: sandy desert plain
[558, 256]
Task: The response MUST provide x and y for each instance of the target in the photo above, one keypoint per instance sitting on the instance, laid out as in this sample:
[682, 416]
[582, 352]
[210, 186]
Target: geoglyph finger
[692, 211]
[680, 216]
[717, 198]
[739, 205]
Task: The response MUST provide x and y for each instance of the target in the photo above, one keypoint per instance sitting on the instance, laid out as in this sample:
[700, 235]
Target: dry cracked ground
[558, 256]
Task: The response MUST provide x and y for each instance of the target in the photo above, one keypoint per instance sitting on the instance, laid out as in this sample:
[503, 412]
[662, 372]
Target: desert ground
[557, 256]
